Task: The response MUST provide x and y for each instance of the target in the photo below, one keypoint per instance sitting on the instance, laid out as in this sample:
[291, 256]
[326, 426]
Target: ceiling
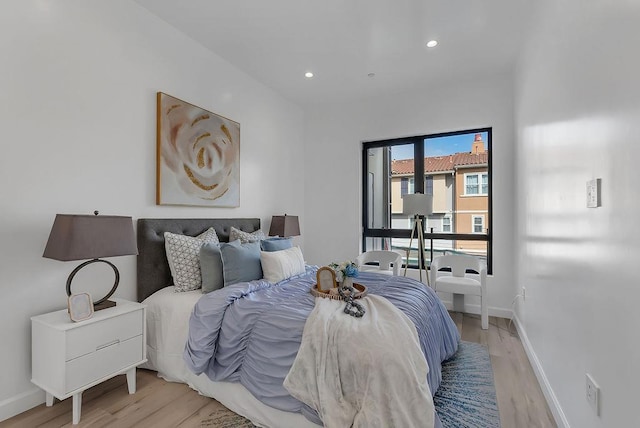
[343, 41]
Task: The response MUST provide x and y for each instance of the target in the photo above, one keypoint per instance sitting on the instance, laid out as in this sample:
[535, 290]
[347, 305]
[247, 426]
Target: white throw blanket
[362, 372]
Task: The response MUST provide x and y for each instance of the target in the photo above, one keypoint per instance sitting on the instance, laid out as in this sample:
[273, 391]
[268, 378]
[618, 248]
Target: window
[428, 185]
[476, 184]
[450, 167]
[471, 187]
[446, 224]
[407, 186]
[478, 223]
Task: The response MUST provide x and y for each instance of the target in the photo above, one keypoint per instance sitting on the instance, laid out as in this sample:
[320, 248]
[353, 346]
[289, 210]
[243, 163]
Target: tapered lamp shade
[284, 225]
[417, 204]
[82, 237]
[91, 237]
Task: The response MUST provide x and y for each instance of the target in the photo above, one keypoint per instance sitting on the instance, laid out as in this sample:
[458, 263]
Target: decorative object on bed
[345, 271]
[245, 237]
[417, 205]
[284, 225]
[240, 261]
[348, 293]
[280, 265]
[326, 285]
[81, 237]
[183, 255]
[198, 156]
[333, 293]
[326, 279]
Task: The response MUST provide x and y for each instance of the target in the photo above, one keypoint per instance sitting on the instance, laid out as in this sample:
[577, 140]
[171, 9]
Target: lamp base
[104, 305]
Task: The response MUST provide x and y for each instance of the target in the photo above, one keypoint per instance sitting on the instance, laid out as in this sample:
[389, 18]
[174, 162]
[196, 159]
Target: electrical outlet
[593, 193]
[593, 394]
[524, 293]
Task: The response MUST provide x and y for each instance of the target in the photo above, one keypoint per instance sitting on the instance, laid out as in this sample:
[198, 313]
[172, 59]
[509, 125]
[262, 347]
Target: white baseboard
[549, 395]
[20, 403]
[475, 309]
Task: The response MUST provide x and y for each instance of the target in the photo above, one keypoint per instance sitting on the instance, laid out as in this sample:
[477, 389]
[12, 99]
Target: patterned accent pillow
[183, 255]
[245, 237]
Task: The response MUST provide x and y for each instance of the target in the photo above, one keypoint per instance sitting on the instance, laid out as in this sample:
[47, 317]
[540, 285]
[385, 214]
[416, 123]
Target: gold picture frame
[198, 156]
[326, 279]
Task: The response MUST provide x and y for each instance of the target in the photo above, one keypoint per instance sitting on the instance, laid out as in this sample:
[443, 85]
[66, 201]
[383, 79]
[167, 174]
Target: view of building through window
[453, 168]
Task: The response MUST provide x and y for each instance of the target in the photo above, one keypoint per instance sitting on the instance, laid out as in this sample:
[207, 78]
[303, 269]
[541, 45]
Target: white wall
[578, 110]
[333, 174]
[78, 84]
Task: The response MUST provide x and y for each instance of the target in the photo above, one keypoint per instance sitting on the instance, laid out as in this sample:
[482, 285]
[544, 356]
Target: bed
[168, 315]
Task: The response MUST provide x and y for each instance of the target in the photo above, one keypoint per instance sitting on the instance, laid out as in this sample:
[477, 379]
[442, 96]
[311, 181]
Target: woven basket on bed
[361, 291]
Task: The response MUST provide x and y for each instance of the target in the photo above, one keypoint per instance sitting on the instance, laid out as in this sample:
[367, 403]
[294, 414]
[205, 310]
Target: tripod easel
[417, 226]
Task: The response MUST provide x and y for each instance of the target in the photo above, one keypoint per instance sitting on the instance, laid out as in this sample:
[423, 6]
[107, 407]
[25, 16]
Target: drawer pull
[106, 345]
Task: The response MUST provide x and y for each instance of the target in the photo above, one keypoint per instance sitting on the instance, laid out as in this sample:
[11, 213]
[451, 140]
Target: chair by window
[459, 283]
[388, 261]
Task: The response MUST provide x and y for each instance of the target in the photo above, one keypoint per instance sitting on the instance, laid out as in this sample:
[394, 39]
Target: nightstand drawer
[104, 362]
[94, 336]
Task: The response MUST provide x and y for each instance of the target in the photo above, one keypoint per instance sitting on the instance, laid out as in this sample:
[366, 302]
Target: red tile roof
[440, 163]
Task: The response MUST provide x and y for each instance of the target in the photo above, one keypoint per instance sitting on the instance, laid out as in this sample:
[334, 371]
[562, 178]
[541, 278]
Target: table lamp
[284, 225]
[81, 237]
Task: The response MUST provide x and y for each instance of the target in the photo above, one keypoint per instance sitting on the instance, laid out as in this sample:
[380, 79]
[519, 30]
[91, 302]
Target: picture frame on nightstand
[80, 307]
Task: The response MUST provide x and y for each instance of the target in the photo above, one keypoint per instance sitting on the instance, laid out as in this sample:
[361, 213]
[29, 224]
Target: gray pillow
[240, 262]
[245, 236]
[275, 244]
[211, 267]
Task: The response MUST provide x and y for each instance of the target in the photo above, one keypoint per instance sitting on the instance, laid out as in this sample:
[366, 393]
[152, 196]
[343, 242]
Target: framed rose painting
[198, 156]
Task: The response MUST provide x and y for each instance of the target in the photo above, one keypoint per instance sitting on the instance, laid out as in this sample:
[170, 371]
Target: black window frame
[419, 182]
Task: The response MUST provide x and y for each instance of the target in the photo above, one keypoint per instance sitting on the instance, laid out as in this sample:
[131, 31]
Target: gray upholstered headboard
[153, 268]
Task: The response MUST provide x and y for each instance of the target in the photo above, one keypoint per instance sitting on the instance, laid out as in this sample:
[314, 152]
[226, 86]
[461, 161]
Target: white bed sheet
[168, 315]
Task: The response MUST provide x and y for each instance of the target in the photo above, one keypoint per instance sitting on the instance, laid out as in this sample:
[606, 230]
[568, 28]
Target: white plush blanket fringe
[362, 372]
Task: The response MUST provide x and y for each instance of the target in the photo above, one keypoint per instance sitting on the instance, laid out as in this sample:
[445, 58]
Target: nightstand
[69, 357]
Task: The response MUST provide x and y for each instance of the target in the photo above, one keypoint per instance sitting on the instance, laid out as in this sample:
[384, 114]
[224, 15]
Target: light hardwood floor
[163, 404]
[520, 399]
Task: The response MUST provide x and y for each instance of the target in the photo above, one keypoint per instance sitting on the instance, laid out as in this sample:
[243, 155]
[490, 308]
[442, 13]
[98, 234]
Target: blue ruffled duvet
[250, 332]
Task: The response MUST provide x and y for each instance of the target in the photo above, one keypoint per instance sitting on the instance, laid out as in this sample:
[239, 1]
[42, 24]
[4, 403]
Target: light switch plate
[593, 193]
[593, 394]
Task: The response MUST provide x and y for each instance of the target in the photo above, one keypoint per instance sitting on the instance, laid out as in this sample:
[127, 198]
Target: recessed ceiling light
[308, 75]
[432, 43]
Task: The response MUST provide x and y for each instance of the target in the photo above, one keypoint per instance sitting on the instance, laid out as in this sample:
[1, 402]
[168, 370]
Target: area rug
[466, 397]
[225, 418]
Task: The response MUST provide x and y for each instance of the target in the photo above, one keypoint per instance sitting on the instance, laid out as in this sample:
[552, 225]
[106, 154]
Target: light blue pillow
[276, 244]
[240, 262]
[211, 267]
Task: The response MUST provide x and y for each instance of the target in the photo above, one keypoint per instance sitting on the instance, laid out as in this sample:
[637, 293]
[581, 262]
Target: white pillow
[245, 237]
[283, 264]
[183, 255]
